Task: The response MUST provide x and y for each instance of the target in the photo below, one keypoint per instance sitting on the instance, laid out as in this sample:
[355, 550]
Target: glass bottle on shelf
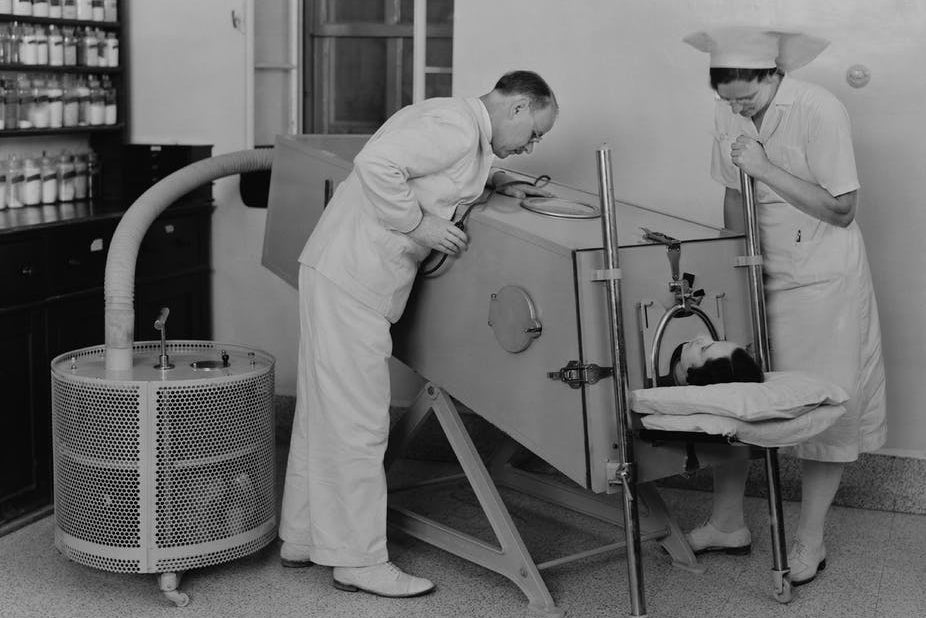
[71, 102]
[22, 7]
[10, 106]
[80, 177]
[16, 36]
[55, 103]
[91, 49]
[41, 46]
[110, 10]
[27, 45]
[6, 7]
[102, 60]
[66, 177]
[24, 94]
[112, 49]
[69, 40]
[4, 44]
[32, 183]
[40, 8]
[55, 46]
[83, 102]
[40, 109]
[49, 180]
[109, 96]
[54, 9]
[97, 104]
[96, 7]
[94, 188]
[14, 182]
[84, 9]
[69, 9]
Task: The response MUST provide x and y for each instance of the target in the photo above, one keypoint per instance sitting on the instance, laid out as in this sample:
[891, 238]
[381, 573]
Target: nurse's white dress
[357, 270]
[821, 309]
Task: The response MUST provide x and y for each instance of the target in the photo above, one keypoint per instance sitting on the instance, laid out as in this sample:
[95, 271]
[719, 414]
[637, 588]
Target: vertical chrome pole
[754, 268]
[780, 571]
[626, 470]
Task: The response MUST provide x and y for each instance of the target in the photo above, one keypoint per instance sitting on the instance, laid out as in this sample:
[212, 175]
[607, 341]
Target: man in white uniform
[795, 140]
[356, 273]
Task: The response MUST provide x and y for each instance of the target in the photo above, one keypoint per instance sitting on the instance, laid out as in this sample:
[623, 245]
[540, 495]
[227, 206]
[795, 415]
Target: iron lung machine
[520, 328]
[517, 327]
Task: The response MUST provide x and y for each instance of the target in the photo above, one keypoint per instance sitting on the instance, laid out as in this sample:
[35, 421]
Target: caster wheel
[180, 599]
[784, 593]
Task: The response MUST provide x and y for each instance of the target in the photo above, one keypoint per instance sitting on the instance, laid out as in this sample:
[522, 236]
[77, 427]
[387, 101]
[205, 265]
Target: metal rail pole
[780, 572]
[625, 469]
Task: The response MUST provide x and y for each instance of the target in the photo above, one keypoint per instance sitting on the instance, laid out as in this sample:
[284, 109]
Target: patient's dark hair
[738, 367]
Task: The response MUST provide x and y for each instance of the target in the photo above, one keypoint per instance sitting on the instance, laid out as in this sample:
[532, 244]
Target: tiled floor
[876, 568]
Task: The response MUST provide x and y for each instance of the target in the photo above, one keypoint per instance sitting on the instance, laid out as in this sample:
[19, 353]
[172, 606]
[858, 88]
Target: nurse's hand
[749, 156]
[439, 234]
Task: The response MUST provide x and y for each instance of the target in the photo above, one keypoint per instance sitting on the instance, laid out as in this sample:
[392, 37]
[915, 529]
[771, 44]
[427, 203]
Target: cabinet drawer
[77, 256]
[173, 243]
[22, 278]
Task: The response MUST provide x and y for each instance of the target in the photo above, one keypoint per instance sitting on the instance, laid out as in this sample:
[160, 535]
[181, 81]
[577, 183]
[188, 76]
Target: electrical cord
[539, 182]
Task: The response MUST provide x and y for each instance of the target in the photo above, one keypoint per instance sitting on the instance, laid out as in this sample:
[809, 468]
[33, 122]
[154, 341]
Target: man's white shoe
[295, 555]
[385, 580]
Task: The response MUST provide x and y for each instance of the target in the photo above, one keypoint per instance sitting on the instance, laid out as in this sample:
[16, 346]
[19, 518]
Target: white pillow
[769, 434]
[784, 394]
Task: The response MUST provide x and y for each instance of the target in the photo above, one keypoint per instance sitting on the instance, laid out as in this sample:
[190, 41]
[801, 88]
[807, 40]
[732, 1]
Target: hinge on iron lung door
[576, 374]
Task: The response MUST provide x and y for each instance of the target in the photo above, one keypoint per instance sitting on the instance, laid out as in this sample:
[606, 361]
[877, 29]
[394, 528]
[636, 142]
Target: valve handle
[161, 322]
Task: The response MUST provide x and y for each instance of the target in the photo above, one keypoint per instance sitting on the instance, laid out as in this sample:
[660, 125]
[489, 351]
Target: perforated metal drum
[164, 470]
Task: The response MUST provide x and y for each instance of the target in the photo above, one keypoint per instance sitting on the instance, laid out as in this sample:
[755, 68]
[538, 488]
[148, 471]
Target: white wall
[190, 72]
[623, 76]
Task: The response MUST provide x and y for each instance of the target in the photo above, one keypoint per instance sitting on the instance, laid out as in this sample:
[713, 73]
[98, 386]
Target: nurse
[357, 269]
[795, 140]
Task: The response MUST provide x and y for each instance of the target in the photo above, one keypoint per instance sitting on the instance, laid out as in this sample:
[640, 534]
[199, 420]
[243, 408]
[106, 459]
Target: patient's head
[703, 361]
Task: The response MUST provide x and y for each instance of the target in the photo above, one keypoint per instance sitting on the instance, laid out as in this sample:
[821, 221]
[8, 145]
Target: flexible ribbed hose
[119, 283]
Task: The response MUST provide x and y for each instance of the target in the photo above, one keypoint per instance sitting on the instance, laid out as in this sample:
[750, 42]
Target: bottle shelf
[98, 128]
[45, 68]
[59, 21]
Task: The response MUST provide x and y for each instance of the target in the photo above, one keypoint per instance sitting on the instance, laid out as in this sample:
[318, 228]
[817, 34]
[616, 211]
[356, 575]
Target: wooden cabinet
[52, 263]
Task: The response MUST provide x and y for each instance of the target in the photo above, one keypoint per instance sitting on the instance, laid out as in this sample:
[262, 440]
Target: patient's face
[697, 352]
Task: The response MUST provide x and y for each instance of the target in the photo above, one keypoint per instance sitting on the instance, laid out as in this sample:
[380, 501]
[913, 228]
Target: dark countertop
[14, 220]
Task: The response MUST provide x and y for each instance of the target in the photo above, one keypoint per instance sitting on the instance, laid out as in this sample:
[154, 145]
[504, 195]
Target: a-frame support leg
[512, 558]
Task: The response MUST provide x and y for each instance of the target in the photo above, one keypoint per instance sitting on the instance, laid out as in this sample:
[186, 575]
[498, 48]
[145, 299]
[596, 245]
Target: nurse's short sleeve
[830, 155]
[722, 168]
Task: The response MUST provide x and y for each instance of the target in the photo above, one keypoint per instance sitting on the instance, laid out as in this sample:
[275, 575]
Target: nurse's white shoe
[708, 538]
[805, 562]
[385, 580]
[295, 555]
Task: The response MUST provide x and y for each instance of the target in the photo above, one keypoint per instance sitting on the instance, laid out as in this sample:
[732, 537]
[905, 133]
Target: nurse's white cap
[744, 47]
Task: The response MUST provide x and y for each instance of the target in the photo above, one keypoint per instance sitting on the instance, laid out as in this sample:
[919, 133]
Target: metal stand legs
[512, 558]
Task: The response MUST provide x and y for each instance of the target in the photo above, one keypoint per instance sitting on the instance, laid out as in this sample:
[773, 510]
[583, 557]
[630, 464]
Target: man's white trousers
[334, 497]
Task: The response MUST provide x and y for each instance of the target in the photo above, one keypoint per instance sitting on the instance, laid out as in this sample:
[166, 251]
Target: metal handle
[161, 322]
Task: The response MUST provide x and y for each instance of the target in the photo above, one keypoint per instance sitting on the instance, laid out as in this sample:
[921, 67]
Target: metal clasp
[576, 374]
